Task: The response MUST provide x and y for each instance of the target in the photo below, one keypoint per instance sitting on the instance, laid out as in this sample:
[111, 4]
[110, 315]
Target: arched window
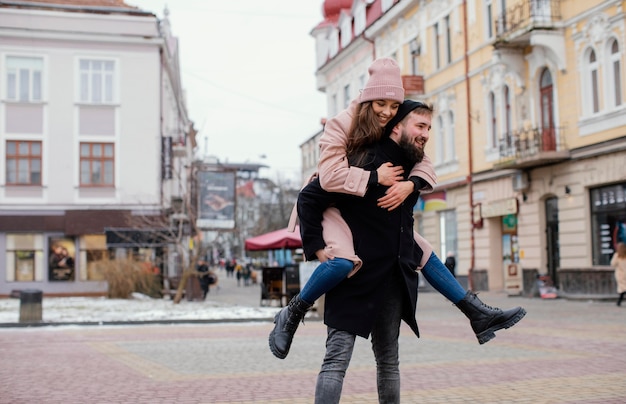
[493, 121]
[616, 71]
[592, 71]
[546, 93]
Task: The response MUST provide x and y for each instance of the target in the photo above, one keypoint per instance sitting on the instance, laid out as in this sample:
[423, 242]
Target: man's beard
[411, 151]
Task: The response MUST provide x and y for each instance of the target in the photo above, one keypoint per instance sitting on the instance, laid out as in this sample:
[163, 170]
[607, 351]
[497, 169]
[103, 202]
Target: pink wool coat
[336, 175]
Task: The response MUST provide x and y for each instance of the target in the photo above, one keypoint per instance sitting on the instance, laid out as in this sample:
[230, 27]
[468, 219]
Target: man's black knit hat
[404, 109]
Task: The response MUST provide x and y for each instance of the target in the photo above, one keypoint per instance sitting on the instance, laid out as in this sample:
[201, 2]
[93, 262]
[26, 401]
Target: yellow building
[529, 136]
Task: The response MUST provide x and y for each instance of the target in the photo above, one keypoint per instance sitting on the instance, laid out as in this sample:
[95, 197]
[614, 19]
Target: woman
[364, 122]
[618, 261]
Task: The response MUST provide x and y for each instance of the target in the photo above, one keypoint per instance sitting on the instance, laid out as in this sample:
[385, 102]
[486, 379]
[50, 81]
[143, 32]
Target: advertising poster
[216, 204]
[61, 258]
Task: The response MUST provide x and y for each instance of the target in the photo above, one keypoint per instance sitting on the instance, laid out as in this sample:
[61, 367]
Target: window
[503, 16]
[493, 116]
[94, 256]
[23, 159]
[437, 50]
[345, 33]
[24, 79]
[592, 69]
[507, 109]
[617, 75]
[414, 46]
[489, 18]
[448, 232]
[97, 80]
[346, 95]
[608, 221]
[96, 164]
[440, 150]
[450, 149]
[508, 125]
[548, 131]
[24, 259]
[448, 40]
[359, 18]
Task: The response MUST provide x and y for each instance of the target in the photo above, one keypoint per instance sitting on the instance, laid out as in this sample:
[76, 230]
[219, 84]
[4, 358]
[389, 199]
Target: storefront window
[24, 259]
[608, 221]
[94, 257]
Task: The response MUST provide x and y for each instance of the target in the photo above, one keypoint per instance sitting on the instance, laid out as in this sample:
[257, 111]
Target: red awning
[275, 240]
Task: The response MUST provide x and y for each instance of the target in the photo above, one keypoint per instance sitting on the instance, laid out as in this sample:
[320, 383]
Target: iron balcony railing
[527, 15]
[534, 146]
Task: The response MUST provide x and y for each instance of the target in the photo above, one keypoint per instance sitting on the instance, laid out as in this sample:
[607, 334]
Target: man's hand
[388, 174]
[321, 255]
[395, 195]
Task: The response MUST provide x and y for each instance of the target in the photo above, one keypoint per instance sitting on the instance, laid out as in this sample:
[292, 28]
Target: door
[548, 134]
[510, 255]
[552, 238]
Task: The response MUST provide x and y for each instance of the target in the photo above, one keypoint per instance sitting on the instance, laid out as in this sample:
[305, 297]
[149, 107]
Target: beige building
[529, 136]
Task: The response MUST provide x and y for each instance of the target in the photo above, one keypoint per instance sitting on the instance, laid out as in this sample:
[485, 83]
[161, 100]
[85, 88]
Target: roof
[88, 3]
[104, 6]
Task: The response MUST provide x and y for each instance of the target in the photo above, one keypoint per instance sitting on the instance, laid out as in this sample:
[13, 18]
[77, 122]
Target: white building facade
[94, 132]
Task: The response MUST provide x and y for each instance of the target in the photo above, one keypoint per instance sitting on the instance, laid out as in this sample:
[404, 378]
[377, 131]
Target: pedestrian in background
[238, 273]
[230, 268]
[203, 269]
[619, 263]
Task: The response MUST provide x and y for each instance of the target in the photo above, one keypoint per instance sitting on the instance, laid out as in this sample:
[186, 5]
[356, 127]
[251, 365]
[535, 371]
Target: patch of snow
[140, 308]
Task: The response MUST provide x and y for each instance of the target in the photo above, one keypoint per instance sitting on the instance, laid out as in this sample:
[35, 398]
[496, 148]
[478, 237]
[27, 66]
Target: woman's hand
[395, 195]
[321, 256]
[388, 174]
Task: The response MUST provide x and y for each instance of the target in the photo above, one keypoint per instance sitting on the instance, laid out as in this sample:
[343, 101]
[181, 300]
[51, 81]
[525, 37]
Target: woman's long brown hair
[364, 131]
[621, 250]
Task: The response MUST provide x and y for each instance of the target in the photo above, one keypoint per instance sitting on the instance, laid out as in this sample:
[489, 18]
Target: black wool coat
[382, 239]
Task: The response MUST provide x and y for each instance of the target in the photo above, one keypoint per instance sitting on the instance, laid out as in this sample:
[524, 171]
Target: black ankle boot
[486, 320]
[286, 323]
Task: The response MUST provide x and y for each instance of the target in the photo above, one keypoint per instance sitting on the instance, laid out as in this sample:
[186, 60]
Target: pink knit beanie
[385, 82]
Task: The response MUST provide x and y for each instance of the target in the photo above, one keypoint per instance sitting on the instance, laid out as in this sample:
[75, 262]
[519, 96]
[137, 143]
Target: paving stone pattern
[561, 352]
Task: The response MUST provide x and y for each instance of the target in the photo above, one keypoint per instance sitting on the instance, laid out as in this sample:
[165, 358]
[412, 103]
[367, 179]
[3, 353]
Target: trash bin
[30, 305]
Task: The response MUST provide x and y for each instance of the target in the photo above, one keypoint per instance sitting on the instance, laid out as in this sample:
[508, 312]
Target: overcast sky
[248, 67]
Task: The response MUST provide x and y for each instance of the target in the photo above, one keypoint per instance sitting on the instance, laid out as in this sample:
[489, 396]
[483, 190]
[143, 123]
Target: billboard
[216, 200]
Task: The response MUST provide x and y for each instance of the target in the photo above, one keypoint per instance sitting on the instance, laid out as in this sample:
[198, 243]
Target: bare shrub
[126, 276]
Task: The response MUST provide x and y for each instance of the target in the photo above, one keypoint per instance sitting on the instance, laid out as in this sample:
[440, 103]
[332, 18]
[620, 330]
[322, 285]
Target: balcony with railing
[413, 84]
[532, 148]
[525, 18]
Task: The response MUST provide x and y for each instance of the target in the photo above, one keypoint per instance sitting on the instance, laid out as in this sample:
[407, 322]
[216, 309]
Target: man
[384, 291]
[203, 269]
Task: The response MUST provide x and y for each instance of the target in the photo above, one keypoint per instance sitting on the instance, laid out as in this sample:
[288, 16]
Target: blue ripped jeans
[438, 275]
[326, 276]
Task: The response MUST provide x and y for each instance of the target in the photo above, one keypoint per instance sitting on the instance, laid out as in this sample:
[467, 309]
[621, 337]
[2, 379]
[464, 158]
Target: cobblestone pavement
[561, 352]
